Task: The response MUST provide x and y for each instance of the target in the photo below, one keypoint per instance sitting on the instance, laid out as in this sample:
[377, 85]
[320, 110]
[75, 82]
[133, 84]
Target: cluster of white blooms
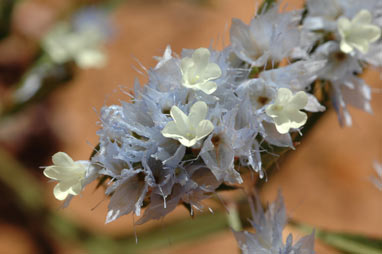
[268, 237]
[348, 36]
[207, 113]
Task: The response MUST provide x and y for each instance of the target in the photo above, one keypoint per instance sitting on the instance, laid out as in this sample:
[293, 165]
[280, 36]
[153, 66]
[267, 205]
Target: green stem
[180, 231]
[265, 6]
[6, 10]
[21, 182]
[348, 243]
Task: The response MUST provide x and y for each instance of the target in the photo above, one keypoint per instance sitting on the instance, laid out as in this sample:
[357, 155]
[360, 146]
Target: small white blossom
[69, 174]
[80, 39]
[357, 33]
[189, 129]
[62, 45]
[198, 71]
[285, 111]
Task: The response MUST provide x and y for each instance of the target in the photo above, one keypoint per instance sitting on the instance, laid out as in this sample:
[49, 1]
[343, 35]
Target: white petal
[297, 119]
[282, 124]
[52, 172]
[283, 95]
[208, 87]
[171, 131]
[204, 128]
[60, 191]
[272, 110]
[212, 71]
[180, 119]
[361, 45]
[198, 112]
[62, 159]
[188, 142]
[63, 173]
[344, 26]
[369, 33]
[186, 63]
[362, 17]
[201, 58]
[299, 100]
[76, 188]
[283, 128]
[345, 47]
[91, 58]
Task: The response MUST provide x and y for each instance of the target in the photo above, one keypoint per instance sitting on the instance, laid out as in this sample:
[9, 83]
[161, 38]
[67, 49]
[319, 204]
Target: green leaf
[21, 182]
[265, 6]
[348, 243]
[6, 9]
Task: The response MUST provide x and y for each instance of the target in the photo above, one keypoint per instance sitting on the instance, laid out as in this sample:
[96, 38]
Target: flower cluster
[207, 113]
[348, 37]
[268, 237]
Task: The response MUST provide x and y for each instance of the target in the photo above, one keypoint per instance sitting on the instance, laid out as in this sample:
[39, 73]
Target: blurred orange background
[325, 182]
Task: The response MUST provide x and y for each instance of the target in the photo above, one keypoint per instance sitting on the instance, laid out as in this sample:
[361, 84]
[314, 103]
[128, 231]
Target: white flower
[286, 110]
[68, 173]
[63, 44]
[198, 71]
[269, 37]
[357, 33]
[189, 129]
